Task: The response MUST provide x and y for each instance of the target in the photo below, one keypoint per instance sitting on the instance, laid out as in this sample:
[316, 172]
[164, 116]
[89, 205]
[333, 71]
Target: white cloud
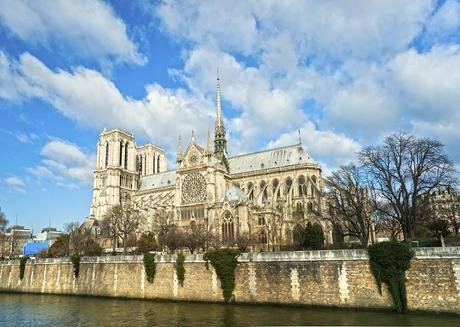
[66, 163]
[89, 98]
[15, 184]
[330, 148]
[334, 29]
[444, 24]
[89, 27]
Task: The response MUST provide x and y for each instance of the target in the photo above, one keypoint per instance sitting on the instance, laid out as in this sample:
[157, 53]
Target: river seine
[51, 310]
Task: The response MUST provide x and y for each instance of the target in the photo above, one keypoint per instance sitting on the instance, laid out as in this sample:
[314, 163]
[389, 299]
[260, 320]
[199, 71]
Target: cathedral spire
[209, 147]
[219, 117]
[179, 150]
[220, 141]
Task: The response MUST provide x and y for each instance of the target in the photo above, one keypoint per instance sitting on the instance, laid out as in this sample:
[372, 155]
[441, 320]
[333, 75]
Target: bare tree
[402, 170]
[3, 236]
[349, 203]
[76, 237]
[128, 223]
[112, 217]
[244, 241]
[196, 237]
[171, 237]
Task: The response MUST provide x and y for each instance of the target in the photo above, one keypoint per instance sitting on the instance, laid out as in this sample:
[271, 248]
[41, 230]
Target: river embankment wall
[337, 278]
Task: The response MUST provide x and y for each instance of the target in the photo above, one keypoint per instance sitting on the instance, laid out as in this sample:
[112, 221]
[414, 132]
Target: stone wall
[338, 278]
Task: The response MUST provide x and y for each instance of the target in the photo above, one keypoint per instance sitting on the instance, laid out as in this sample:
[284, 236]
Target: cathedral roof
[234, 194]
[167, 178]
[268, 159]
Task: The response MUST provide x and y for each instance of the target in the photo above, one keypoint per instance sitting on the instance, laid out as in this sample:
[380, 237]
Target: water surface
[53, 310]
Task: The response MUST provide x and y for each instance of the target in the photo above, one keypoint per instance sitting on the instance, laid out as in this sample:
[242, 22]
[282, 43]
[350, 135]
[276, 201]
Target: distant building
[16, 237]
[445, 205]
[48, 235]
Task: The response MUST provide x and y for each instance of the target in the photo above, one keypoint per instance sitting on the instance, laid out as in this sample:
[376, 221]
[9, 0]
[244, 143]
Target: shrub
[180, 270]
[389, 261]
[312, 237]
[149, 266]
[92, 248]
[224, 262]
[22, 266]
[75, 258]
[146, 243]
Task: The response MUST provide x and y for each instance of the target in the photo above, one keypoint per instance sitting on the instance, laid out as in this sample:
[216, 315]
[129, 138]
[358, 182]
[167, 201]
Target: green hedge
[22, 266]
[389, 261]
[224, 262]
[75, 258]
[180, 270]
[149, 266]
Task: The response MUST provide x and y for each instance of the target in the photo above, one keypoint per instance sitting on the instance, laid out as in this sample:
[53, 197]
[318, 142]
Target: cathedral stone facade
[265, 195]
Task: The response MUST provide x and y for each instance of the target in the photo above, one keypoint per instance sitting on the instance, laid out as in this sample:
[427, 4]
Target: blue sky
[346, 73]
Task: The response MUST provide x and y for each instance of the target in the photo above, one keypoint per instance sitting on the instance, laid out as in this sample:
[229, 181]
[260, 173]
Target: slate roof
[268, 159]
[233, 194]
[166, 178]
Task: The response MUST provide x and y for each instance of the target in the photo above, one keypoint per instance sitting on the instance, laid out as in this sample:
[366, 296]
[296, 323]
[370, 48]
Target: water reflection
[48, 310]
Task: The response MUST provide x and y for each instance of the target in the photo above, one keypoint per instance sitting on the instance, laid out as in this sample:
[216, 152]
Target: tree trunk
[125, 249]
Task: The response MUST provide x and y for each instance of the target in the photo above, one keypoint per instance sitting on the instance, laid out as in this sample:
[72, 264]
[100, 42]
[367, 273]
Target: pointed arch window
[263, 189]
[106, 154]
[251, 191]
[158, 164]
[120, 155]
[227, 228]
[126, 155]
[154, 161]
[302, 186]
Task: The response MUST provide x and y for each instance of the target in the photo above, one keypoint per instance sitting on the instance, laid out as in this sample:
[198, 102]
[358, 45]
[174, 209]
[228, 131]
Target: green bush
[149, 266]
[22, 266]
[224, 262]
[146, 243]
[75, 258]
[180, 270]
[389, 261]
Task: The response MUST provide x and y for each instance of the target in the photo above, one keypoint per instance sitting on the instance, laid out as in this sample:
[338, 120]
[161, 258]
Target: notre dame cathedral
[265, 194]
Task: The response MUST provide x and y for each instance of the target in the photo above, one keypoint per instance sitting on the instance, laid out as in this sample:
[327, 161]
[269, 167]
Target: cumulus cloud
[15, 184]
[88, 27]
[334, 29]
[333, 149]
[65, 163]
[89, 98]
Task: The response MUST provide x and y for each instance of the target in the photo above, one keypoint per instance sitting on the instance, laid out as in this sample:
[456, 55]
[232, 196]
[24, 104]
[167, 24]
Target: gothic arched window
[106, 154]
[263, 189]
[154, 164]
[251, 191]
[158, 164]
[120, 157]
[302, 186]
[126, 155]
[288, 185]
[227, 228]
[276, 190]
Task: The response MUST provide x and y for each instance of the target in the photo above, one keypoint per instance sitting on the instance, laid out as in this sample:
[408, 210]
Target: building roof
[166, 178]
[233, 194]
[268, 159]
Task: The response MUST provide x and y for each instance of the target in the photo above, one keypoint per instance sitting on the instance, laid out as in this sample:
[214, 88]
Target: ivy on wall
[180, 269]
[22, 266]
[149, 266]
[75, 258]
[389, 261]
[224, 262]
